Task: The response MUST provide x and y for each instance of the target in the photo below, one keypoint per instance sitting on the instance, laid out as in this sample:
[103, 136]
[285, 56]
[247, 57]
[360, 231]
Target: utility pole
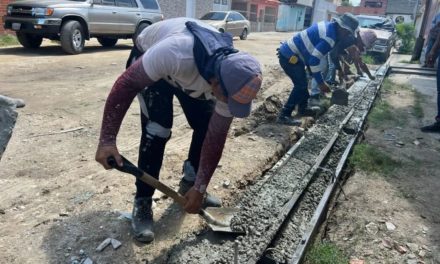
[420, 39]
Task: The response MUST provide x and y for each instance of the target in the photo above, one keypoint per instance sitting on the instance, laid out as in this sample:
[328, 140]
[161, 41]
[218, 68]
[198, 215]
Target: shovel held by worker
[218, 219]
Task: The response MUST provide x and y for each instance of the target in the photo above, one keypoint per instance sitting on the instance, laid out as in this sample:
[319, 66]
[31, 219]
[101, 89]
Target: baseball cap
[347, 21]
[241, 78]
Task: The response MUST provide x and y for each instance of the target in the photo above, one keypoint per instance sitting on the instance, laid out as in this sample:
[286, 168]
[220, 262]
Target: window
[373, 4]
[108, 2]
[224, 2]
[150, 4]
[124, 3]
[217, 2]
[214, 16]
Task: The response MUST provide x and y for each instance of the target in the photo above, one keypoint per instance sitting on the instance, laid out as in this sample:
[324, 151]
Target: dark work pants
[159, 103]
[438, 91]
[299, 94]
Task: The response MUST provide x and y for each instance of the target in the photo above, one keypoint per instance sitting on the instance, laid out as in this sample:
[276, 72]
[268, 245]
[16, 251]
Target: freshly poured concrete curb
[8, 117]
[265, 205]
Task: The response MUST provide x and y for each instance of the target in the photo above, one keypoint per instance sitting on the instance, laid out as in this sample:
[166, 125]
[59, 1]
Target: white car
[228, 21]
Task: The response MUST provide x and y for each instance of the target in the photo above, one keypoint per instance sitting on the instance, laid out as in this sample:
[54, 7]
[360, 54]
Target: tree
[346, 3]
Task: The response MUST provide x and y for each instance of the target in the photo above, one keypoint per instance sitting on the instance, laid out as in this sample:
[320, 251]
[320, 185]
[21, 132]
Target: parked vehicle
[74, 21]
[385, 30]
[228, 21]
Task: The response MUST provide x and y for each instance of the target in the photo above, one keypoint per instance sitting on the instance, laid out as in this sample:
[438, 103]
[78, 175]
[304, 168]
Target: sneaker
[431, 128]
[288, 120]
[208, 200]
[142, 219]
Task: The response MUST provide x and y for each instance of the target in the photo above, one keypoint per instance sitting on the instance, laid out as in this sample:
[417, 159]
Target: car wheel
[244, 34]
[72, 37]
[29, 41]
[107, 42]
[139, 30]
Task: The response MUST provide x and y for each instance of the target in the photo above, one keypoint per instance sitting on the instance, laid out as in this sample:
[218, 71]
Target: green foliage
[325, 253]
[8, 40]
[369, 158]
[368, 59]
[346, 3]
[406, 31]
[382, 113]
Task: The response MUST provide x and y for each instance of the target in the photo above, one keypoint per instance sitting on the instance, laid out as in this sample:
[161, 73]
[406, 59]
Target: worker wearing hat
[306, 49]
[213, 82]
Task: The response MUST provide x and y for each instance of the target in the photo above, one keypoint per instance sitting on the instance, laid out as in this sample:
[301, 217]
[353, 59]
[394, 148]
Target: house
[261, 13]
[405, 11]
[366, 7]
[294, 15]
[192, 8]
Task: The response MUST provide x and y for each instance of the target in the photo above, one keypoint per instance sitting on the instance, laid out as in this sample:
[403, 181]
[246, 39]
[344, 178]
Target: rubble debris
[115, 243]
[413, 247]
[87, 261]
[390, 226]
[103, 244]
[372, 228]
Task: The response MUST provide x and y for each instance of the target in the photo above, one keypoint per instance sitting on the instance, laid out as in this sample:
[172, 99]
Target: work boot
[431, 128]
[208, 200]
[142, 219]
[189, 177]
[288, 120]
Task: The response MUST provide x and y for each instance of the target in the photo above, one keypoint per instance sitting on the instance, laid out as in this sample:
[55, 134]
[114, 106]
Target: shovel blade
[223, 217]
[339, 97]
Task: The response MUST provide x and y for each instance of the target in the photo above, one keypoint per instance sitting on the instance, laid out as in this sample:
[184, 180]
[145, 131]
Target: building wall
[323, 10]
[3, 4]
[261, 13]
[177, 8]
[363, 10]
[290, 18]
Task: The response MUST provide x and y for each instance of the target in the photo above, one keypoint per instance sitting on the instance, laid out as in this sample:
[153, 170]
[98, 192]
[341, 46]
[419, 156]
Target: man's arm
[433, 51]
[212, 150]
[131, 82]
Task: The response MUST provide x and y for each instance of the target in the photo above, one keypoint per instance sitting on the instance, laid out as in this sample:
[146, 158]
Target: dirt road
[58, 204]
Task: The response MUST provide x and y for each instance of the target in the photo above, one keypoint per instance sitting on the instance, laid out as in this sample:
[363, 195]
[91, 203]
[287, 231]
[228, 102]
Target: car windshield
[367, 22]
[214, 16]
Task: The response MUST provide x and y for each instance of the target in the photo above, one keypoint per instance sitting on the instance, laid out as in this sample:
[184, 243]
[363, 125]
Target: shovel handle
[129, 168]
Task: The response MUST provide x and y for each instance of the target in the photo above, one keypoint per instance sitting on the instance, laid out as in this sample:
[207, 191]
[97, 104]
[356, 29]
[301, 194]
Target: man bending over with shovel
[213, 82]
[306, 49]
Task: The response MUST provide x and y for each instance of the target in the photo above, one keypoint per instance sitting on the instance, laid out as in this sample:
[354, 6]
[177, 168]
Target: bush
[406, 31]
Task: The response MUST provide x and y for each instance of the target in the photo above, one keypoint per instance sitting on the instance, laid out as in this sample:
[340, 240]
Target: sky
[355, 2]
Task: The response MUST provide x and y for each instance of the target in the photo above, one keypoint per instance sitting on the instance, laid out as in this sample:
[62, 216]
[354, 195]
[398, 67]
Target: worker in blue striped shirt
[306, 49]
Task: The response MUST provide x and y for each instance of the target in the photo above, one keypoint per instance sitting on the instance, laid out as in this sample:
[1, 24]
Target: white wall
[322, 9]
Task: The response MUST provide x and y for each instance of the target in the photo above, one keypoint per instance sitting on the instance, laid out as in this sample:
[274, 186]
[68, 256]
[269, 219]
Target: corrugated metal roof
[401, 6]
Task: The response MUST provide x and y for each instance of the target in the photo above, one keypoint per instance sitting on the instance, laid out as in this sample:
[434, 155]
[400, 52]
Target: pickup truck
[73, 21]
[385, 30]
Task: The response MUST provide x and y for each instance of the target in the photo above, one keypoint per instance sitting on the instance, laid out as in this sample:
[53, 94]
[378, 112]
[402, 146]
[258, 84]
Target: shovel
[339, 95]
[219, 219]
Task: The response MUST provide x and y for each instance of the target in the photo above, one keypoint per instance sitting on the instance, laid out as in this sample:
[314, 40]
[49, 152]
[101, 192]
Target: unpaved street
[58, 204]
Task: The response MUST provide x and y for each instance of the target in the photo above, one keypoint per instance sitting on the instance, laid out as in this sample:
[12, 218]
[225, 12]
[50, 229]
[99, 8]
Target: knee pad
[156, 130]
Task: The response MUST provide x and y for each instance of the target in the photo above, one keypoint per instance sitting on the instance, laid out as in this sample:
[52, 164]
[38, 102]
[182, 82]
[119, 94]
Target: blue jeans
[299, 94]
[331, 72]
[324, 68]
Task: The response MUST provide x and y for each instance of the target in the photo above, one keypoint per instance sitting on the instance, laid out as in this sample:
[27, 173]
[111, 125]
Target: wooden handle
[148, 179]
[128, 167]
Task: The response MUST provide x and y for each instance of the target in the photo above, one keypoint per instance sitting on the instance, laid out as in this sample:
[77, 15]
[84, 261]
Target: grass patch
[381, 114]
[368, 59]
[325, 253]
[369, 158]
[8, 40]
